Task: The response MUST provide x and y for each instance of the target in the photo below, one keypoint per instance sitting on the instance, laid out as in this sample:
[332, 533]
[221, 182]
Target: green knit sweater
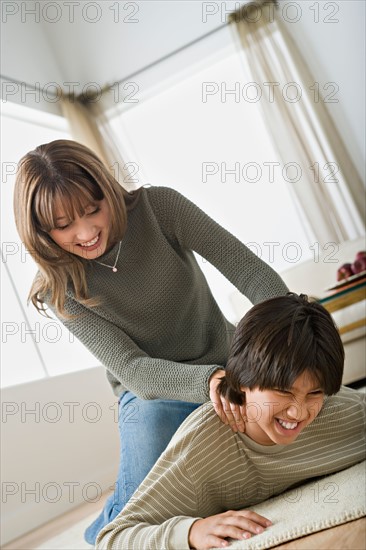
[159, 331]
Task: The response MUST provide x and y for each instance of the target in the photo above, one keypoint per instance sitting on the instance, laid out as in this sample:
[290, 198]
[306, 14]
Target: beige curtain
[89, 126]
[330, 191]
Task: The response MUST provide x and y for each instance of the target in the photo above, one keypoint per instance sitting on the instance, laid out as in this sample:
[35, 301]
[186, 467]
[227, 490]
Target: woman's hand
[231, 414]
[211, 532]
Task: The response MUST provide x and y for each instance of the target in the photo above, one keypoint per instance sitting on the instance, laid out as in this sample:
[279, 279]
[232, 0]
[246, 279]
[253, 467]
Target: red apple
[360, 255]
[359, 265]
[344, 272]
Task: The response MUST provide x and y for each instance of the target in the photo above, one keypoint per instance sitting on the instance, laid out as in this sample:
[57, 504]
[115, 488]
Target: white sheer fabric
[330, 191]
[89, 126]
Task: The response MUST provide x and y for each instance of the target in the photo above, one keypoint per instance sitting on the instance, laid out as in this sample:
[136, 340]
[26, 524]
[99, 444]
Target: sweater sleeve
[157, 516]
[132, 366]
[161, 511]
[188, 225]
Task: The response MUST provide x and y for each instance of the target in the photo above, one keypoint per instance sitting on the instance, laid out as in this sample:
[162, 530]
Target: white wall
[62, 454]
[26, 46]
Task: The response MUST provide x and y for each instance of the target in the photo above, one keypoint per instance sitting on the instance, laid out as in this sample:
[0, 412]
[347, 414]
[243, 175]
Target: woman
[118, 270]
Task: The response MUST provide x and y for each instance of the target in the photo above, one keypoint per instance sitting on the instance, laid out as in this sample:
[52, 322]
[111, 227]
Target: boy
[286, 365]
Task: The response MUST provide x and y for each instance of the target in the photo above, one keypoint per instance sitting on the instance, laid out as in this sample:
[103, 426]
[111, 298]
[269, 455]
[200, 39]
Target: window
[205, 137]
[32, 347]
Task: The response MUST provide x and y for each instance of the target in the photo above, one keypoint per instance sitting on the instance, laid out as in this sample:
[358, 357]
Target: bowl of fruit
[349, 274]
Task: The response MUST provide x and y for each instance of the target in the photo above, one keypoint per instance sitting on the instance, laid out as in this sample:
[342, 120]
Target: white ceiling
[39, 52]
[61, 43]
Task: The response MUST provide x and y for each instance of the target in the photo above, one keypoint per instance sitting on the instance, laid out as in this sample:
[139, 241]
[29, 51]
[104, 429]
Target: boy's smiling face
[278, 417]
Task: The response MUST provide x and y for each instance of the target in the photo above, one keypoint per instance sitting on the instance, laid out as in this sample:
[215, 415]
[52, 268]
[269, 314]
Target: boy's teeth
[287, 425]
[90, 243]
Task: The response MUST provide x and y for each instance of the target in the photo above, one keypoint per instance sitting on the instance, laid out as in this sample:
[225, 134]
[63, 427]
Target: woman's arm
[188, 225]
[147, 377]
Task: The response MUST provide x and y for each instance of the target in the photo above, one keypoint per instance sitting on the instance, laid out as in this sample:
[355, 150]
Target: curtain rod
[232, 18]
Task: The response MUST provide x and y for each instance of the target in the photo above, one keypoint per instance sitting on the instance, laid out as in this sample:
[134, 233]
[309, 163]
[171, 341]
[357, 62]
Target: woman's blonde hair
[66, 172]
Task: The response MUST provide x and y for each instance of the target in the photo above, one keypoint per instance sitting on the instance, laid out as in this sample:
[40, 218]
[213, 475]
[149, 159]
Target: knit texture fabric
[207, 469]
[159, 331]
[314, 506]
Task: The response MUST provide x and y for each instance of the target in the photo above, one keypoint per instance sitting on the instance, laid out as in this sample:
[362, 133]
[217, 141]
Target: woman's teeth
[287, 425]
[90, 243]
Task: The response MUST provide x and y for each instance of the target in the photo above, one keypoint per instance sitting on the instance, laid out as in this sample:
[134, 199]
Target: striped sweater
[207, 469]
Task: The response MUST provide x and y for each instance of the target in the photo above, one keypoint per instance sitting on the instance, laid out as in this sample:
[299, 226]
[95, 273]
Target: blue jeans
[145, 429]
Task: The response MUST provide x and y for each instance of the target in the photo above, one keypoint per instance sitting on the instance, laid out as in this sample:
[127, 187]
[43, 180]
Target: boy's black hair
[276, 341]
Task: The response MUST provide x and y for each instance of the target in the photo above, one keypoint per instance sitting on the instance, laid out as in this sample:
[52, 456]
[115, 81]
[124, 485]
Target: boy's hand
[231, 414]
[211, 532]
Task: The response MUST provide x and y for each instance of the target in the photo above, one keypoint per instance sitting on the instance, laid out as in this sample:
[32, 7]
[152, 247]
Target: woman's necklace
[112, 267]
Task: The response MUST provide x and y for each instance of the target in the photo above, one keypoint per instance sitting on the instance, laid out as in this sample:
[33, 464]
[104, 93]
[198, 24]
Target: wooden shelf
[344, 298]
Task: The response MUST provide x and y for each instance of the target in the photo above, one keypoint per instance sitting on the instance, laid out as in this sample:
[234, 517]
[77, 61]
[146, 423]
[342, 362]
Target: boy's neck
[256, 434]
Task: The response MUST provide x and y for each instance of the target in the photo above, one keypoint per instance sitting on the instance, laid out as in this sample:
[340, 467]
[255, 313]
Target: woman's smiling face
[278, 417]
[86, 235]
